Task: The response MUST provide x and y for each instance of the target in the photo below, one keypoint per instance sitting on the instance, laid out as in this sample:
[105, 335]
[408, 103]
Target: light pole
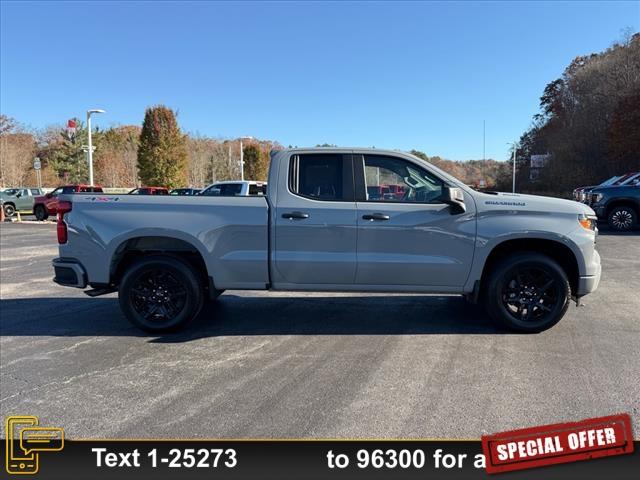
[242, 156]
[514, 145]
[90, 153]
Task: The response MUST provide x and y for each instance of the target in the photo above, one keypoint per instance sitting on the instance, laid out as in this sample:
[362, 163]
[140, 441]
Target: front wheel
[622, 218]
[160, 293]
[527, 292]
[40, 212]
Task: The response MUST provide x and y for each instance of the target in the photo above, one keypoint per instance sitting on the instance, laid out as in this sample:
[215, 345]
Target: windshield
[610, 181]
[11, 191]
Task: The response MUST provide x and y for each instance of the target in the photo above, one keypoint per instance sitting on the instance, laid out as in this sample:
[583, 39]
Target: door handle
[375, 216]
[295, 215]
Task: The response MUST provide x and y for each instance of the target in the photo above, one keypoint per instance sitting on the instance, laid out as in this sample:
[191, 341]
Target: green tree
[162, 153]
[64, 154]
[256, 162]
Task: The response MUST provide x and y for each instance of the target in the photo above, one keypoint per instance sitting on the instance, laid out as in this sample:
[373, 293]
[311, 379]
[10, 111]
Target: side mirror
[454, 197]
[18, 195]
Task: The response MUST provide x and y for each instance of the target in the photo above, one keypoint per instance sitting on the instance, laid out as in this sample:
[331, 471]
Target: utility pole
[242, 156]
[241, 161]
[484, 139]
[90, 144]
[515, 149]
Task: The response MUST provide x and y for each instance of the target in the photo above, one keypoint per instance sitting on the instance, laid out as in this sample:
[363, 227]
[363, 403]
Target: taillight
[63, 207]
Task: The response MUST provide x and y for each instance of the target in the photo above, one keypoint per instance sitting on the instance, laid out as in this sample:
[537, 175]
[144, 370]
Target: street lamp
[90, 153]
[242, 156]
[514, 145]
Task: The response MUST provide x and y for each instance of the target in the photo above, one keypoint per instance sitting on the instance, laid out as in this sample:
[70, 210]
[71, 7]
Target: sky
[385, 74]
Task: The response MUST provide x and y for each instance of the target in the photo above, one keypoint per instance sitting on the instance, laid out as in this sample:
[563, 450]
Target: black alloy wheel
[527, 291]
[530, 294]
[161, 293]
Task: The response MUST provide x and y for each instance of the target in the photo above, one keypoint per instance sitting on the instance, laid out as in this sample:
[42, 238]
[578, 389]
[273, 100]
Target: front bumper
[69, 273]
[589, 283]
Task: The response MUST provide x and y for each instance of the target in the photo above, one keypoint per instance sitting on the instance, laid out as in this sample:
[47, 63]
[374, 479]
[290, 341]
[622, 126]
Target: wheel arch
[559, 251]
[132, 248]
[623, 202]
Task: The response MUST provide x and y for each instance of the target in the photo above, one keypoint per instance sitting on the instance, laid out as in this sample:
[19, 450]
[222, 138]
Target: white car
[235, 188]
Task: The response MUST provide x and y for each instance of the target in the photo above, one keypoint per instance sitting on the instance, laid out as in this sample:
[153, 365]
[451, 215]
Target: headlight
[597, 197]
[588, 222]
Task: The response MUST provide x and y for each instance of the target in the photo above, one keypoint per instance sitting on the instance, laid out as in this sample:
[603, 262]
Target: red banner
[559, 443]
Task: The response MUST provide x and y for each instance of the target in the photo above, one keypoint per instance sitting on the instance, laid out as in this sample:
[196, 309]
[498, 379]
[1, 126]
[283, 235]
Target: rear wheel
[9, 209]
[160, 293]
[527, 292]
[622, 218]
[40, 212]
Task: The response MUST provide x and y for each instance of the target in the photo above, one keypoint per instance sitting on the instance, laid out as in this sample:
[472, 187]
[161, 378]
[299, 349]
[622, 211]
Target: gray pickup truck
[349, 220]
[19, 199]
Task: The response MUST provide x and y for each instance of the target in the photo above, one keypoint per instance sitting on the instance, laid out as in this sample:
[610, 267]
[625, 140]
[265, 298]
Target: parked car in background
[48, 204]
[619, 206]
[235, 188]
[150, 191]
[19, 199]
[386, 192]
[581, 194]
[185, 191]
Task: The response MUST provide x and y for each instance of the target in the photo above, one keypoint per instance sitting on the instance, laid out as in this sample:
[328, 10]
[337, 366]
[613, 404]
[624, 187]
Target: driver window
[390, 179]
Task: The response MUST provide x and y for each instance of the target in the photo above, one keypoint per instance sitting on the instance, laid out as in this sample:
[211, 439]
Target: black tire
[527, 292]
[40, 212]
[161, 293]
[9, 210]
[622, 218]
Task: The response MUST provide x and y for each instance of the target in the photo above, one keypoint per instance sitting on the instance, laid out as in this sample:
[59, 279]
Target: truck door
[406, 235]
[315, 221]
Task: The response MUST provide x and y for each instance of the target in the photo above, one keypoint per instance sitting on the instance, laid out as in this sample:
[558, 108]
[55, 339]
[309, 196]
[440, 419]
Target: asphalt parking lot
[292, 365]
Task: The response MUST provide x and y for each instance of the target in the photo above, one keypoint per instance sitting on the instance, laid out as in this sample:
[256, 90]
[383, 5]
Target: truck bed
[230, 233]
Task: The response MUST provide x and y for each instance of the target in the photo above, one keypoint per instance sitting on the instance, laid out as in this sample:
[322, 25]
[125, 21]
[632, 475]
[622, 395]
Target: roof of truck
[341, 150]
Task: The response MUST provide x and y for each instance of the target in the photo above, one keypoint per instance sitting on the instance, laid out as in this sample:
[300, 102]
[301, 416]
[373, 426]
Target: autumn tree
[588, 121]
[256, 162]
[17, 149]
[115, 161]
[162, 153]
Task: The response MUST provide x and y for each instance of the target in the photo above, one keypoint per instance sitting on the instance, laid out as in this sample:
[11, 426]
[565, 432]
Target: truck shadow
[234, 315]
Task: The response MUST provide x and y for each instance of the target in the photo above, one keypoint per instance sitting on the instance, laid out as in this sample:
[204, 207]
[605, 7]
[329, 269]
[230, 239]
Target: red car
[149, 191]
[48, 204]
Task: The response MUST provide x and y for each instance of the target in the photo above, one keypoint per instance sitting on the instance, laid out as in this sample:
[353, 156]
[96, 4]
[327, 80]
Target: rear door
[406, 235]
[315, 221]
[25, 200]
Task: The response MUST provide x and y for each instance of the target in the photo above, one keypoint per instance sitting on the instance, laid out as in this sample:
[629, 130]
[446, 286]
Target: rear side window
[323, 176]
[223, 190]
[230, 189]
[257, 189]
[35, 191]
